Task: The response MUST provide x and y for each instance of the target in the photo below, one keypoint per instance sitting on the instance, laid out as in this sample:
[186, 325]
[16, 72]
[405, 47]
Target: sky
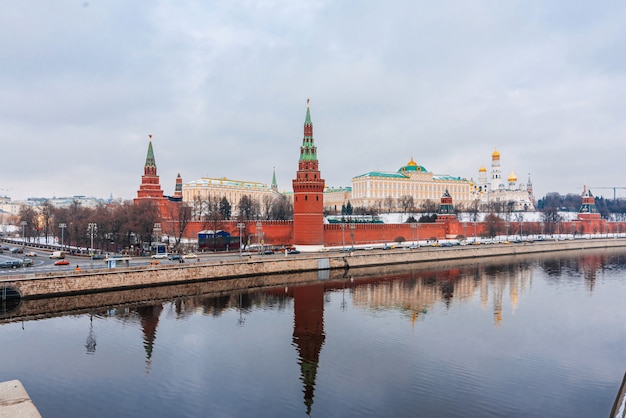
[222, 87]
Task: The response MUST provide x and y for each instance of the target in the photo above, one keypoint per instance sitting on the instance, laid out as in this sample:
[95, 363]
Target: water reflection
[308, 335]
[90, 344]
[415, 291]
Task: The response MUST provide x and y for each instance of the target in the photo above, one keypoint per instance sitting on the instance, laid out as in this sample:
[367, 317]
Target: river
[536, 336]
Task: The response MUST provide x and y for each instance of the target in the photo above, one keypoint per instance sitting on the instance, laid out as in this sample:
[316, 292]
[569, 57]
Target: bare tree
[266, 206]
[282, 209]
[493, 225]
[47, 212]
[429, 207]
[389, 203]
[181, 216]
[407, 203]
[248, 208]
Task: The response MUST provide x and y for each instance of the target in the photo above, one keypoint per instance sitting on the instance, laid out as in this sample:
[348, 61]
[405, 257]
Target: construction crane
[614, 188]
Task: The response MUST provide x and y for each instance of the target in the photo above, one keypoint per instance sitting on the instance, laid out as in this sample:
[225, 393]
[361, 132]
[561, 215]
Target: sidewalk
[15, 402]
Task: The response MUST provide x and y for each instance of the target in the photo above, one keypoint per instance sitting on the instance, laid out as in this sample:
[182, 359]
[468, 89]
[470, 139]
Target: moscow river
[540, 336]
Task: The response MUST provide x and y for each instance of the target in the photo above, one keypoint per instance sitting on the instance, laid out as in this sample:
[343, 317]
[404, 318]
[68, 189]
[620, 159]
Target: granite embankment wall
[258, 271]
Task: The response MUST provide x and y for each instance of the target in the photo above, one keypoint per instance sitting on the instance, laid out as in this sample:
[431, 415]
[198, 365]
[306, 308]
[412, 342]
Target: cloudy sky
[222, 87]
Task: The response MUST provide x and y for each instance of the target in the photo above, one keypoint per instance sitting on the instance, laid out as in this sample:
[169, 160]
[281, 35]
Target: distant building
[207, 189]
[335, 198]
[518, 196]
[386, 189]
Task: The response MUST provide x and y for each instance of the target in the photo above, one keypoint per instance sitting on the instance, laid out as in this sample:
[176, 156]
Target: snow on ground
[398, 218]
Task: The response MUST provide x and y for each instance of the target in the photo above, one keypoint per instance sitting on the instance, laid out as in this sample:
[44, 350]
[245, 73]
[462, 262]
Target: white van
[57, 254]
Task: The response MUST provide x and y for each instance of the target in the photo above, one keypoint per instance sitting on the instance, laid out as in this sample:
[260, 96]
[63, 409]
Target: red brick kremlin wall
[280, 233]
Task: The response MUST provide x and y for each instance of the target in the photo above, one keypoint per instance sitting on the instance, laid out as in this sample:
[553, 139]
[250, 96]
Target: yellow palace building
[386, 189]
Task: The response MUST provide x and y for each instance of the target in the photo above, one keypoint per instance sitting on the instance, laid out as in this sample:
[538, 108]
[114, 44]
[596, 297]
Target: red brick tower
[178, 189]
[308, 194]
[447, 216]
[591, 219]
[588, 210]
[150, 187]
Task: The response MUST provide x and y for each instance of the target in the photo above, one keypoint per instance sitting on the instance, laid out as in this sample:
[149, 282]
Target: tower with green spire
[274, 184]
[308, 193]
[150, 187]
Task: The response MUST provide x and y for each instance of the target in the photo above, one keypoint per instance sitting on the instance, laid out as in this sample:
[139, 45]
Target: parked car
[10, 264]
[62, 262]
[16, 250]
[27, 262]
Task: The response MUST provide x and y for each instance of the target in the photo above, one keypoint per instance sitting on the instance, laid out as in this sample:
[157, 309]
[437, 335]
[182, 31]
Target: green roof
[150, 162]
[308, 151]
[385, 174]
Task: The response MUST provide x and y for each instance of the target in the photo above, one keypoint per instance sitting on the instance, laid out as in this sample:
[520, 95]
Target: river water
[543, 336]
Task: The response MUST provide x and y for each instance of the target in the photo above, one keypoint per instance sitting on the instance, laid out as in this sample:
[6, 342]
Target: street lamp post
[419, 226]
[91, 230]
[241, 226]
[259, 234]
[352, 227]
[62, 226]
[23, 223]
[475, 222]
[343, 227]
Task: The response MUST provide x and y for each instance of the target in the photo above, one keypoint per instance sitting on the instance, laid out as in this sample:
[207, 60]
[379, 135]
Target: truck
[57, 254]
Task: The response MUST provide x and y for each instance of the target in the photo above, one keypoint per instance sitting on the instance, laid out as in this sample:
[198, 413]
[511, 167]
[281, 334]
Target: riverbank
[259, 271]
[15, 402]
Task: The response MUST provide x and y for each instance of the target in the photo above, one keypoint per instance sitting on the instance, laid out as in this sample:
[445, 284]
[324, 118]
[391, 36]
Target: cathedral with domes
[495, 191]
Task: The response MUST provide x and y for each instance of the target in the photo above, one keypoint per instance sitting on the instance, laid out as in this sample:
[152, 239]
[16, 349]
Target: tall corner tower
[150, 187]
[308, 193]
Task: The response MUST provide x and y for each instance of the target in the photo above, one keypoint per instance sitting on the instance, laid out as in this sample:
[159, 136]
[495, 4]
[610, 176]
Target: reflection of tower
[308, 335]
[497, 301]
[149, 321]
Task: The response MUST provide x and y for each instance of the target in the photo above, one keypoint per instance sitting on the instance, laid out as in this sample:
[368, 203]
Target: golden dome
[482, 170]
[495, 155]
[512, 178]
[411, 163]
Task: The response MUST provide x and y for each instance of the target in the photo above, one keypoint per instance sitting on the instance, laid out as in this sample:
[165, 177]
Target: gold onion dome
[411, 163]
[495, 155]
[482, 170]
[512, 178]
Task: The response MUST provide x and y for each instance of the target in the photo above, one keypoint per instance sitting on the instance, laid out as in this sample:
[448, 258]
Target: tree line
[128, 225]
